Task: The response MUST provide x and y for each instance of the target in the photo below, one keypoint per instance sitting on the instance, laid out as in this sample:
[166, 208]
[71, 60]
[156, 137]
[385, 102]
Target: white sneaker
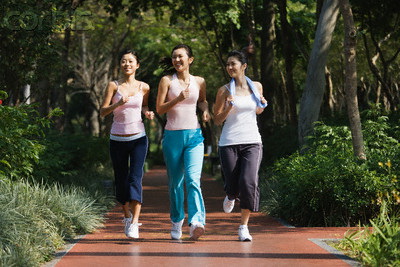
[176, 231]
[244, 234]
[127, 222]
[133, 231]
[196, 230]
[228, 205]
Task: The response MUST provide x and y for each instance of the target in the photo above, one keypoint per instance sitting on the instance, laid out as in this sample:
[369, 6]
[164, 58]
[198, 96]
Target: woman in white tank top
[240, 146]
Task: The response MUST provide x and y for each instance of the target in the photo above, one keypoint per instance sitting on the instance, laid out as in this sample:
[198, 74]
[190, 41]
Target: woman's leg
[136, 171]
[126, 210]
[251, 155]
[229, 158]
[243, 231]
[173, 151]
[193, 162]
[244, 220]
[135, 207]
[120, 161]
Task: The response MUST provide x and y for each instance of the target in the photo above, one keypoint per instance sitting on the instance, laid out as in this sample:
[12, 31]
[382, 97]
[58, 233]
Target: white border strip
[322, 243]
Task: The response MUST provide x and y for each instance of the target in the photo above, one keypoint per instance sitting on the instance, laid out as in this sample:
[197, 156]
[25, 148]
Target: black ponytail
[166, 64]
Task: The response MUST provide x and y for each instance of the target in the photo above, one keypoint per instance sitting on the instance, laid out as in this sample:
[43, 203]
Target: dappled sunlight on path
[273, 244]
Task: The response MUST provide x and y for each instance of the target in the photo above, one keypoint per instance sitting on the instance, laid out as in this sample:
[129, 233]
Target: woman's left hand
[206, 116]
[149, 115]
[263, 100]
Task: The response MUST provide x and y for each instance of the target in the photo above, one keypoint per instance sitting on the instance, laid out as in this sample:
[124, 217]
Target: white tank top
[240, 126]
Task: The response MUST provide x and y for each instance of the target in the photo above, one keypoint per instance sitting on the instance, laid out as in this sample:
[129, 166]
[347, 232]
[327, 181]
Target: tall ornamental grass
[35, 220]
[378, 244]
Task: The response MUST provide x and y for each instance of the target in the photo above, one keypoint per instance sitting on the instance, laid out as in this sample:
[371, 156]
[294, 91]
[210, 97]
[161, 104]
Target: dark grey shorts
[240, 165]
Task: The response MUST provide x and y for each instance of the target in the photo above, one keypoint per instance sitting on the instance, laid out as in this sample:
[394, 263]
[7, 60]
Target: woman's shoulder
[113, 85]
[223, 90]
[166, 80]
[199, 79]
[258, 85]
[144, 86]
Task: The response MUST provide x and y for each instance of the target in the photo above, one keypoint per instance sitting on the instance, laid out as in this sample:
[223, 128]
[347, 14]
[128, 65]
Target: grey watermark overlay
[58, 20]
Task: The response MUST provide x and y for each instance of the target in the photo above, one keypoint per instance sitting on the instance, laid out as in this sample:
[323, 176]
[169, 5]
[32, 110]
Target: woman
[240, 147]
[127, 99]
[179, 94]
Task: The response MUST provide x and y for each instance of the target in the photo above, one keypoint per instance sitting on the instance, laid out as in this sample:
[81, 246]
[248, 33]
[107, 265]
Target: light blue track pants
[183, 155]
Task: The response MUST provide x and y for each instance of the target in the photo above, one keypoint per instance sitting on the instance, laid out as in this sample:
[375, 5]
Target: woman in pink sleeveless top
[179, 95]
[127, 99]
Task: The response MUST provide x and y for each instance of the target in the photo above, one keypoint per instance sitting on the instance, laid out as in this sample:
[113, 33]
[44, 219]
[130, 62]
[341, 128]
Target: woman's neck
[129, 79]
[240, 81]
[184, 75]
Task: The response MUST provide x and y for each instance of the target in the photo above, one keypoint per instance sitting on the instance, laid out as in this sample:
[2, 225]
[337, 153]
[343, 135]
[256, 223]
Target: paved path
[273, 244]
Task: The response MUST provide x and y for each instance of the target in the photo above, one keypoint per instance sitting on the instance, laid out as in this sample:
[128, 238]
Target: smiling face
[181, 60]
[129, 64]
[234, 67]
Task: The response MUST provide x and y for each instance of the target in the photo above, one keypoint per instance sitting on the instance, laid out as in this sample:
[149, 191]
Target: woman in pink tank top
[179, 95]
[127, 99]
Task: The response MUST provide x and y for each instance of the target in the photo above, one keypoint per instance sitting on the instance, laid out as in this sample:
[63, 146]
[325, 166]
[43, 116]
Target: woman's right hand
[184, 94]
[230, 100]
[123, 100]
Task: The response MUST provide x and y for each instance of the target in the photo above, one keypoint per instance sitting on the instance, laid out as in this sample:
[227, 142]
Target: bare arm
[145, 108]
[106, 107]
[223, 105]
[202, 101]
[263, 100]
[162, 105]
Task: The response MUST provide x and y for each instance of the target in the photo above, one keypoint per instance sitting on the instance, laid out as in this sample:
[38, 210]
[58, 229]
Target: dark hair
[239, 55]
[129, 51]
[166, 62]
[186, 47]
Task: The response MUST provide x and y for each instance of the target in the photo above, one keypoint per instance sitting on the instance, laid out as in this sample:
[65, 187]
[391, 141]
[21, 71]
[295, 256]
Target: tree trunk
[251, 48]
[267, 65]
[287, 43]
[61, 91]
[350, 84]
[313, 93]
[329, 85]
[26, 93]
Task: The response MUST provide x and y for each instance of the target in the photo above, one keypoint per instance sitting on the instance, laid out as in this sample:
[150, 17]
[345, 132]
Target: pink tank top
[183, 115]
[127, 118]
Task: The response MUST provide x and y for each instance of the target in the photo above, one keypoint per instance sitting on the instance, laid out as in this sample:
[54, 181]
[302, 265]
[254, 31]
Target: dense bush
[327, 185]
[64, 156]
[50, 186]
[21, 130]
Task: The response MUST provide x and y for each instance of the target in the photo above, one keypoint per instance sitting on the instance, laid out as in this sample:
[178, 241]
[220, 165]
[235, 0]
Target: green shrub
[327, 185]
[20, 131]
[66, 155]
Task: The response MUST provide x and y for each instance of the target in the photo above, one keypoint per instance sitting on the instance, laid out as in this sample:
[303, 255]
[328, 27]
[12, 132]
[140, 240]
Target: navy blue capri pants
[128, 159]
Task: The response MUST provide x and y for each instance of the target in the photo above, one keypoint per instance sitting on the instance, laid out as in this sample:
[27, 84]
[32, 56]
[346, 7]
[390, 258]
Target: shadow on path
[273, 244]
